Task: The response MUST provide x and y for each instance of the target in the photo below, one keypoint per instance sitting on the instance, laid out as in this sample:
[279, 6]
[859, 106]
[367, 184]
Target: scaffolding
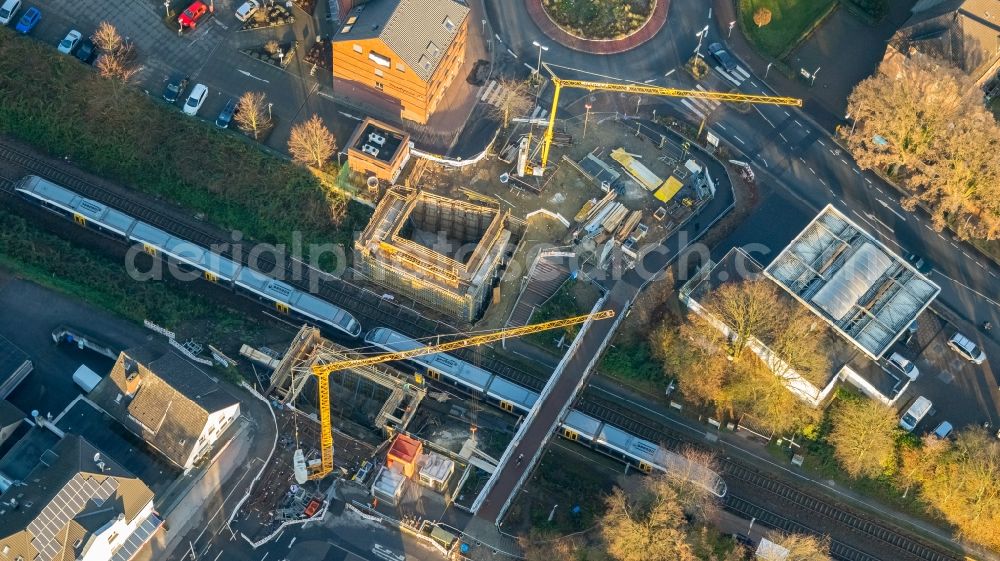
[444, 253]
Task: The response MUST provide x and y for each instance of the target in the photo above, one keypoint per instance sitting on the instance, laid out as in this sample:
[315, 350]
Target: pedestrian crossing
[700, 107]
[736, 77]
[493, 94]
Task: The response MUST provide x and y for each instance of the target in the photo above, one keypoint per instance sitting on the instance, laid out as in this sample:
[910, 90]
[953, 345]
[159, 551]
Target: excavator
[526, 167]
[304, 472]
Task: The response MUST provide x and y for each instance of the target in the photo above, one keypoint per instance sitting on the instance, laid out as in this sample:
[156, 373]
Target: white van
[9, 10]
[917, 411]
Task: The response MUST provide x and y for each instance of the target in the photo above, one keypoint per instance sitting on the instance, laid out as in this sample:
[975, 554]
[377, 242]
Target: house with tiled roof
[965, 33]
[76, 503]
[408, 51]
[169, 402]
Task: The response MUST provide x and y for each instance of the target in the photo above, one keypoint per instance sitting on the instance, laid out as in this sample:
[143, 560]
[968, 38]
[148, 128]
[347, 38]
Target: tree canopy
[863, 436]
[925, 123]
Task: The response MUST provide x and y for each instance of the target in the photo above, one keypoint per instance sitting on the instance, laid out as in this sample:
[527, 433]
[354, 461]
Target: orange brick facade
[364, 61]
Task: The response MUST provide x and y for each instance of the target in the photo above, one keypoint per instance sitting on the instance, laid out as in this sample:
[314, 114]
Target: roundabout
[599, 26]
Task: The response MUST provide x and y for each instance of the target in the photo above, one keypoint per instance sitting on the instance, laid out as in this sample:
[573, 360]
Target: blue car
[29, 20]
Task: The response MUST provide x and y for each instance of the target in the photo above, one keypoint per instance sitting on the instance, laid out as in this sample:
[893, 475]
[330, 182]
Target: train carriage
[83, 211]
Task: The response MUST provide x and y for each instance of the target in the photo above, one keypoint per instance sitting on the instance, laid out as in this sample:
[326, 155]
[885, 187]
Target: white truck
[86, 378]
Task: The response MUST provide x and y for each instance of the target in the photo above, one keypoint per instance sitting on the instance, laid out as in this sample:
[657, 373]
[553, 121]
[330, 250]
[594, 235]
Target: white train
[576, 426]
[186, 254]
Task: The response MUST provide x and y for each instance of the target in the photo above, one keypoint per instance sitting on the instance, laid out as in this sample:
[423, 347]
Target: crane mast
[322, 373]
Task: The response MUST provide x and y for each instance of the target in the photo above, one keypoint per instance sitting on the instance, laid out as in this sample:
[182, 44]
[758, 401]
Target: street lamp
[701, 36]
[586, 118]
[166, 6]
[269, 111]
[731, 25]
[815, 72]
[768, 69]
[541, 47]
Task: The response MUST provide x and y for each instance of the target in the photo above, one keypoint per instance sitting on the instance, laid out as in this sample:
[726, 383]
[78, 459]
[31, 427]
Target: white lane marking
[954, 245]
[763, 161]
[720, 126]
[672, 70]
[650, 81]
[813, 171]
[966, 254]
[291, 543]
[928, 227]
[868, 180]
[787, 114]
[739, 139]
[823, 182]
[687, 104]
[797, 122]
[219, 555]
[511, 53]
[970, 289]
[742, 74]
[845, 162]
[762, 116]
[726, 75]
[870, 218]
[752, 83]
[782, 137]
[801, 159]
[821, 143]
[892, 210]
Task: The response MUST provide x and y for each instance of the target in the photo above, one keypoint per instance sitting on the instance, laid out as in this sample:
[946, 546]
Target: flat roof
[382, 139]
[865, 291]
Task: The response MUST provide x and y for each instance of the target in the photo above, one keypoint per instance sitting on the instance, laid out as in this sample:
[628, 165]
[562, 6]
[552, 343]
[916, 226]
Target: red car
[193, 13]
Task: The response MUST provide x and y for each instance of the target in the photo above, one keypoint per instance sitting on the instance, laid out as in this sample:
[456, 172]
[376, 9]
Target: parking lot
[210, 54]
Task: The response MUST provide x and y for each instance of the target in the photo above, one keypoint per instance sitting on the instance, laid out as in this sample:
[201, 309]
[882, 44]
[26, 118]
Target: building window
[379, 59]
[378, 72]
[401, 67]
[379, 86]
[358, 49]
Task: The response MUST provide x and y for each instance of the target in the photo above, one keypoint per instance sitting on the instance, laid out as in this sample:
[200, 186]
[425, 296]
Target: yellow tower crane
[322, 373]
[643, 89]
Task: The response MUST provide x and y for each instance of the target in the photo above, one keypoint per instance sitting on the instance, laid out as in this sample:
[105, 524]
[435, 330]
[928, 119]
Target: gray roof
[65, 499]
[171, 406]
[11, 359]
[409, 27]
[965, 32]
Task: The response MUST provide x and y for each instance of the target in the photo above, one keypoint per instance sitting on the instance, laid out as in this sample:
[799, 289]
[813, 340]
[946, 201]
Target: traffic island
[273, 53]
[591, 36]
[267, 17]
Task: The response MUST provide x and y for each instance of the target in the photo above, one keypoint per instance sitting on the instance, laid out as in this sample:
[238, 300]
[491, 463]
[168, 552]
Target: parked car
[965, 347]
[87, 51]
[70, 42]
[721, 56]
[904, 365]
[226, 116]
[943, 430]
[175, 89]
[8, 10]
[247, 10]
[917, 411]
[192, 14]
[29, 20]
[195, 100]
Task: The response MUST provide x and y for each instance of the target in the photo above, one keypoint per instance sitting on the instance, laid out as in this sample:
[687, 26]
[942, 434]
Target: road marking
[845, 162]
[821, 143]
[782, 137]
[763, 161]
[762, 116]
[869, 217]
[813, 171]
[973, 290]
[942, 237]
[928, 227]
[801, 159]
[511, 53]
[752, 83]
[249, 75]
[217, 556]
[687, 104]
[291, 543]
[720, 126]
[797, 122]
[650, 81]
[265, 556]
[954, 245]
[892, 210]
[669, 73]
[739, 139]
[497, 35]
[727, 76]
[528, 66]
[787, 114]
[966, 254]
[823, 182]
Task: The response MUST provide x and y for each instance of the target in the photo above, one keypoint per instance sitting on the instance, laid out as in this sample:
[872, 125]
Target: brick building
[409, 50]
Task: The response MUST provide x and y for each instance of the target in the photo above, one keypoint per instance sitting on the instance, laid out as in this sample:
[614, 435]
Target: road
[785, 147]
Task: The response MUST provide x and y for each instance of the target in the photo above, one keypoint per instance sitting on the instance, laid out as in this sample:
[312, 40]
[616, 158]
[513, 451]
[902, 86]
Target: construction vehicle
[322, 373]
[526, 167]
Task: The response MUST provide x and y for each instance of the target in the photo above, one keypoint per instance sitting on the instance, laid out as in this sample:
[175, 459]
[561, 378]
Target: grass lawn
[600, 19]
[790, 19]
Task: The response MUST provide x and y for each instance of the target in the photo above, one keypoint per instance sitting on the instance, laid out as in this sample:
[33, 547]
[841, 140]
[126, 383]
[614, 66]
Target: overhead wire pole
[322, 372]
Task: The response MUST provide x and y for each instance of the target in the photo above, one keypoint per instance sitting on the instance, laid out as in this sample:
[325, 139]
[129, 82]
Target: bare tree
[106, 37]
[958, 480]
[311, 143]
[750, 310]
[694, 480]
[252, 114]
[762, 16]
[648, 526]
[513, 99]
[863, 437]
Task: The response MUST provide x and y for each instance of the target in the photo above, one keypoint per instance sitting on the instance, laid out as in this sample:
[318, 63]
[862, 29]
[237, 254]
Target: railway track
[372, 310]
[744, 477]
[368, 307]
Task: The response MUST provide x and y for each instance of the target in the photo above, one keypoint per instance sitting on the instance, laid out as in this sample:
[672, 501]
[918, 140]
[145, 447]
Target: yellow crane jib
[641, 89]
[322, 373]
